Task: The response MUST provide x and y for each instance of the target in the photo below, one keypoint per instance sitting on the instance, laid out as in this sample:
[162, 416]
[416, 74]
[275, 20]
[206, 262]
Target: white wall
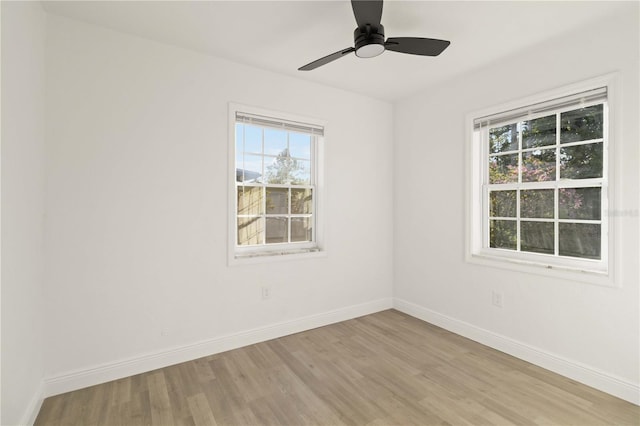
[136, 229]
[576, 324]
[23, 77]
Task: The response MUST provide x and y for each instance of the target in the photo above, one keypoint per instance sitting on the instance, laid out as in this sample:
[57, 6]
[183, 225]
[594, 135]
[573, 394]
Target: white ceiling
[281, 36]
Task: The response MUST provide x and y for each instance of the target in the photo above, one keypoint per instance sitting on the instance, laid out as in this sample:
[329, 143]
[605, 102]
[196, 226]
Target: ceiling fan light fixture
[370, 50]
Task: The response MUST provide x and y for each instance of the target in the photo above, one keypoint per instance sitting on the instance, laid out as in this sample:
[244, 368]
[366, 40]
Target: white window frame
[279, 251]
[600, 272]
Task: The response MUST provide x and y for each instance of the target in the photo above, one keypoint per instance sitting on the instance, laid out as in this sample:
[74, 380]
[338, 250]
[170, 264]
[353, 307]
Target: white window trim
[474, 233]
[274, 252]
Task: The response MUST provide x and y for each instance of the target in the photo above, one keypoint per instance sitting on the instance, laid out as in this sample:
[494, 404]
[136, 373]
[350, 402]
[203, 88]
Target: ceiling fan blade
[367, 12]
[416, 45]
[329, 58]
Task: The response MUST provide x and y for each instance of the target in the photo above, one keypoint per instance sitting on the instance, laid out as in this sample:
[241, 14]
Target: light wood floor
[382, 369]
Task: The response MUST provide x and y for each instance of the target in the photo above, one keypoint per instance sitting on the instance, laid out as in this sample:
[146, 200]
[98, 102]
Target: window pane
[250, 230]
[278, 169]
[301, 172]
[539, 165]
[503, 168]
[580, 240]
[536, 237]
[580, 203]
[252, 168]
[581, 161]
[581, 124]
[538, 203]
[539, 132]
[277, 230]
[504, 138]
[301, 229]
[275, 141]
[239, 141]
[300, 145]
[250, 200]
[301, 201]
[277, 200]
[502, 234]
[252, 139]
[239, 167]
[502, 204]
[240, 175]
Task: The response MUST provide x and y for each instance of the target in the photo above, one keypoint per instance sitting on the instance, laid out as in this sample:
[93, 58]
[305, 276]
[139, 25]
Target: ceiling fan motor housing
[369, 41]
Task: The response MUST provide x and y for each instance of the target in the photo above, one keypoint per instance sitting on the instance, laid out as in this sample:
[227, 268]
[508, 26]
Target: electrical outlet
[266, 293]
[497, 299]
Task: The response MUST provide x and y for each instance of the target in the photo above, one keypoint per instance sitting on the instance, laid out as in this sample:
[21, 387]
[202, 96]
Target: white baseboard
[574, 370]
[82, 378]
[34, 406]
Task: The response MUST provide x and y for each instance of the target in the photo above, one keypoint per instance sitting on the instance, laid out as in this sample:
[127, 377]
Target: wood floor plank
[161, 413]
[201, 411]
[139, 407]
[180, 386]
[382, 369]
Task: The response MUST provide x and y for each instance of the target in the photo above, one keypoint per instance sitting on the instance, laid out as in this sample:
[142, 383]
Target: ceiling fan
[369, 38]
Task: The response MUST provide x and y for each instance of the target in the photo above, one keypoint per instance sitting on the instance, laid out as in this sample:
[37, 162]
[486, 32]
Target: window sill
[252, 257]
[595, 277]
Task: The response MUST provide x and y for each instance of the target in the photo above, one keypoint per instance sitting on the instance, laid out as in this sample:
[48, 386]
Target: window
[539, 183]
[275, 187]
